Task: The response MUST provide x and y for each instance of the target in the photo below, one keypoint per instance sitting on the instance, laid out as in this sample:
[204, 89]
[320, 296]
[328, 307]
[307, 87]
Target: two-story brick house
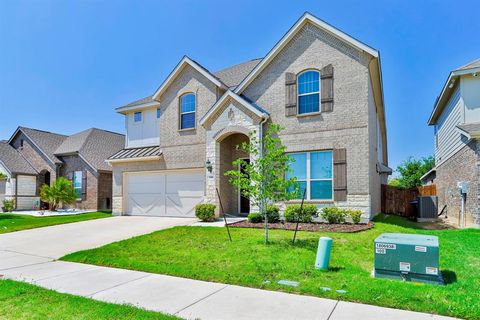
[456, 121]
[321, 85]
[32, 158]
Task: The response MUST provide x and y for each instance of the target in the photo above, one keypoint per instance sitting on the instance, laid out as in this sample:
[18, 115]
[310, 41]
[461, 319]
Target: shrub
[273, 213]
[8, 205]
[293, 213]
[334, 215]
[355, 215]
[255, 217]
[60, 192]
[205, 212]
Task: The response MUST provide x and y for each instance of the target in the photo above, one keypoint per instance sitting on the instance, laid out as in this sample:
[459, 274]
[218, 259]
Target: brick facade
[351, 125]
[447, 176]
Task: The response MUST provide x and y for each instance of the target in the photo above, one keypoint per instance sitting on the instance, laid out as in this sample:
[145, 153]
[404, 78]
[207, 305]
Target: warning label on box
[431, 270]
[404, 266]
[389, 246]
[420, 249]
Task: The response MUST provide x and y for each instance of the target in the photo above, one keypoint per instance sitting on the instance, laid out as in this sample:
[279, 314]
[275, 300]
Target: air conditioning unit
[408, 257]
[427, 208]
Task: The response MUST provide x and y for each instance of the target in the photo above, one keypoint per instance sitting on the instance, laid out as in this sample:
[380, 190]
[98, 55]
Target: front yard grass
[205, 253]
[25, 301]
[16, 222]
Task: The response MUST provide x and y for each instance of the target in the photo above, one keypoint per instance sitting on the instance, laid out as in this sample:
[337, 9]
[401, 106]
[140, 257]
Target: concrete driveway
[45, 244]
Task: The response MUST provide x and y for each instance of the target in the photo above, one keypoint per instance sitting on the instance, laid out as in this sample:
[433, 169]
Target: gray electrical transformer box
[410, 257]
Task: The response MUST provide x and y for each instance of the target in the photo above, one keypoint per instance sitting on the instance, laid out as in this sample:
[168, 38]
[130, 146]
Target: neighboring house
[456, 121]
[323, 86]
[32, 158]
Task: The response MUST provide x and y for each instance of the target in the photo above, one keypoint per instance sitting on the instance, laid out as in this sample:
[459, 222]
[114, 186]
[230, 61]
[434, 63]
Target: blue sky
[64, 65]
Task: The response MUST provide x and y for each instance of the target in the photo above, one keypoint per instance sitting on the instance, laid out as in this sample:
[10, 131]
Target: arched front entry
[44, 178]
[231, 121]
[234, 203]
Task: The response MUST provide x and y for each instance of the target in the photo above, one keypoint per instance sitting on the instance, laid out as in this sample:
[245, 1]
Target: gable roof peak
[178, 69]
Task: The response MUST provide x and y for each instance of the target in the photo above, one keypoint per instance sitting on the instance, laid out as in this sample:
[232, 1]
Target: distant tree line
[410, 172]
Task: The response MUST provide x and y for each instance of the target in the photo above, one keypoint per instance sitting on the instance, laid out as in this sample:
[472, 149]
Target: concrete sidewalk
[187, 298]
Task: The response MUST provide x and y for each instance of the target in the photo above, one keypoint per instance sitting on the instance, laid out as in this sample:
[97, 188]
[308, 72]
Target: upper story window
[187, 111]
[137, 117]
[158, 113]
[308, 83]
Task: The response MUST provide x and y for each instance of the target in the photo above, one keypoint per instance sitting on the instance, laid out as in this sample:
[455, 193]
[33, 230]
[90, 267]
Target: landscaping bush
[355, 215]
[205, 212]
[255, 217]
[273, 213]
[293, 213]
[334, 215]
[8, 205]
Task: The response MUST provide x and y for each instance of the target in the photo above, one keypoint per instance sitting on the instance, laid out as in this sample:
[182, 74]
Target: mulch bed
[313, 227]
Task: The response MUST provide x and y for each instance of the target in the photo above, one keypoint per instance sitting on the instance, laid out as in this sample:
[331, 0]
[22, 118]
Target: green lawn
[205, 253]
[24, 301]
[16, 222]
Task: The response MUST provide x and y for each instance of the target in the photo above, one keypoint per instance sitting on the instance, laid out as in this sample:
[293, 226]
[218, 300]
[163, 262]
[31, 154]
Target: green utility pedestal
[409, 257]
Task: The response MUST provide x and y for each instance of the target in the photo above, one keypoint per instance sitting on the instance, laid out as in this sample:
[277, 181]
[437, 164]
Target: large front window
[187, 111]
[314, 173]
[308, 84]
[77, 184]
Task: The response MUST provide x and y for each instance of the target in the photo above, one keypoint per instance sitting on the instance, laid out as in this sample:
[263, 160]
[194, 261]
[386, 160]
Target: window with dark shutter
[84, 185]
[340, 174]
[326, 75]
[290, 94]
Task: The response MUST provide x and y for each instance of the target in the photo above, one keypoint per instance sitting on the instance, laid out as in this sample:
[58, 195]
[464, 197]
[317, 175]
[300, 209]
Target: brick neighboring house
[323, 86]
[456, 121]
[34, 157]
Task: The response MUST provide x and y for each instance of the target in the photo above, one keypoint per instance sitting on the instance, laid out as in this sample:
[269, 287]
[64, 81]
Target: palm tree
[60, 192]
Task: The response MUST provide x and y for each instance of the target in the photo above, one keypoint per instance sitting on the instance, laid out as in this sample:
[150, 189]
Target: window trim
[308, 178]
[81, 184]
[180, 113]
[310, 93]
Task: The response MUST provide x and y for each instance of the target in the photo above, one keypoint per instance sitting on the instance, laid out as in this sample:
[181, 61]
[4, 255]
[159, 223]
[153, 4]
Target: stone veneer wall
[462, 166]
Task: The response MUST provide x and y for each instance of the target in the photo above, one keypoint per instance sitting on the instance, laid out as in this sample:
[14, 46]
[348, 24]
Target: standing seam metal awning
[137, 153]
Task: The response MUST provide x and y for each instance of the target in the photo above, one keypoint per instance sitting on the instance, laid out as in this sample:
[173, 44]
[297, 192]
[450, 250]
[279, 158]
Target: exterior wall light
[209, 166]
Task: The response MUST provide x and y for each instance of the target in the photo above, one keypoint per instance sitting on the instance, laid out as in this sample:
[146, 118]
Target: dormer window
[137, 117]
[308, 92]
[187, 111]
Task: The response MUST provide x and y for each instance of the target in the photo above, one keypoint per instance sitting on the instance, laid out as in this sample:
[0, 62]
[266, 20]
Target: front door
[244, 202]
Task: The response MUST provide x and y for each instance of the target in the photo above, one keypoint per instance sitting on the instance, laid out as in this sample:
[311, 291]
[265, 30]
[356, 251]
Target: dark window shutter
[326, 75]
[84, 185]
[290, 94]
[340, 174]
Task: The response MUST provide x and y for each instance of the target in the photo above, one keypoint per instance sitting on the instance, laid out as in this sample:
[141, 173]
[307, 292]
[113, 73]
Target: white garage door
[173, 194]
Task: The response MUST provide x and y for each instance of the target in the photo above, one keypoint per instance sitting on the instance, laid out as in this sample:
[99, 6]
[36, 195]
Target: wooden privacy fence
[398, 201]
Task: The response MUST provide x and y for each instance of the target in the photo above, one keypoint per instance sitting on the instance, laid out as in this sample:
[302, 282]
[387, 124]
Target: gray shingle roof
[232, 76]
[139, 102]
[13, 160]
[470, 128]
[137, 153]
[48, 142]
[470, 65]
[94, 145]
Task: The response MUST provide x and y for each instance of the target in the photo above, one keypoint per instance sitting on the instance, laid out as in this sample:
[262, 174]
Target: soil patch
[313, 227]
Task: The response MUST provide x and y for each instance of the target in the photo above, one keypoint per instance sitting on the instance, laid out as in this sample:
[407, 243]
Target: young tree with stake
[263, 180]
